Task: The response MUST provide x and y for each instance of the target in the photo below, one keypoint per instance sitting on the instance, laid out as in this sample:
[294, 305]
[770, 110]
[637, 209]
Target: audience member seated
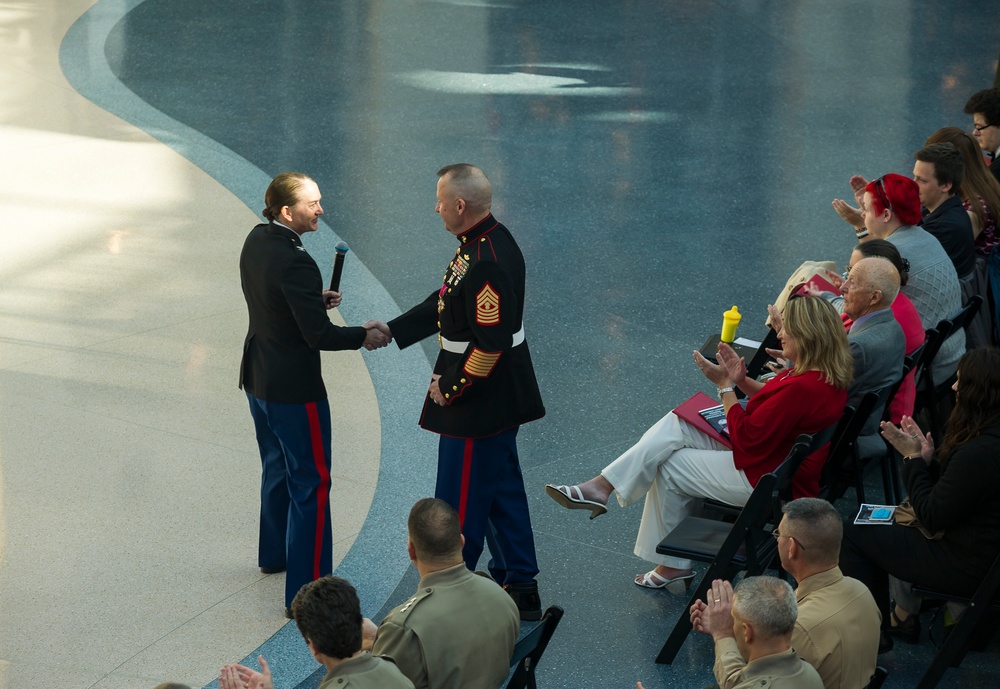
[984, 106]
[837, 630]
[459, 628]
[328, 614]
[891, 210]
[952, 491]
[980, 191]
[752, 628]
[902, 308]
[938, 172]
[674, 465]
[875, 337]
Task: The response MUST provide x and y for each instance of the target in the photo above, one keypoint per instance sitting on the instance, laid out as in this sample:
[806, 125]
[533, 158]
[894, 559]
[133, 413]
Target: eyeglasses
[883, 194]
[981, 127]
[791, 538]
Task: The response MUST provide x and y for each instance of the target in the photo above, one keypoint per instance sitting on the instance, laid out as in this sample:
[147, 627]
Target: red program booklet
[690, 411]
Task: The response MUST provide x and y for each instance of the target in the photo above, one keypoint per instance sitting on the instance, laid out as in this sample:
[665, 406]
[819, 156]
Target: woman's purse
[905, 515]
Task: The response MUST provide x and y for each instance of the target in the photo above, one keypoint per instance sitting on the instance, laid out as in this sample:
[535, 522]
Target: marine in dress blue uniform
[280, 373]
[484, 386]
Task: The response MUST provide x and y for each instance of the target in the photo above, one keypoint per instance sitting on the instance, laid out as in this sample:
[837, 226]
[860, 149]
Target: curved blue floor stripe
[377, 560]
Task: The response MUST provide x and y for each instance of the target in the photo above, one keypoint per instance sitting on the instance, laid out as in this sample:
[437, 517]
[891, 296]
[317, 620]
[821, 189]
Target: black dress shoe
[525, 595]
[884, 643]
[272, 570]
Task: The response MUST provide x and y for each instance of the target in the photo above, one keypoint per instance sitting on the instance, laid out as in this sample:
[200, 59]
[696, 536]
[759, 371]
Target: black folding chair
[929, 391]
[952, 651]
[528, 651]
[746, 544]
[844, 468]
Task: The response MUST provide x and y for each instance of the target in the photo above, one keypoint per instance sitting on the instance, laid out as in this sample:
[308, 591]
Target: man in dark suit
[483, 386]
[280, 374]
[984, 106]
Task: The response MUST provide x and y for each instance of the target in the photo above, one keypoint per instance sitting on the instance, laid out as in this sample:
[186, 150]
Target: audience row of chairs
[747, 545]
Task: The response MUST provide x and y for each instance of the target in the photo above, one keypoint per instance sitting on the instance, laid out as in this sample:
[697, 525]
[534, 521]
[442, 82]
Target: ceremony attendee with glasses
[984, 106]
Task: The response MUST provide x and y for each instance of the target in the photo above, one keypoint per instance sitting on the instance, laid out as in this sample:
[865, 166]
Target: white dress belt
[459, 347]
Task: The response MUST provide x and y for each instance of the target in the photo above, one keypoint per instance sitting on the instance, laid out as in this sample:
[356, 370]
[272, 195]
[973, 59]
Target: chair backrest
[910, 362]
[840, 461]
[804, 445]
[528, 650]
[756, 365]
[968, 312]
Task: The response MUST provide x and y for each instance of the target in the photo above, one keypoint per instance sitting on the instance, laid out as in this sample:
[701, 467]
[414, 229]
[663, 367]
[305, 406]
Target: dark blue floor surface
[657, 161]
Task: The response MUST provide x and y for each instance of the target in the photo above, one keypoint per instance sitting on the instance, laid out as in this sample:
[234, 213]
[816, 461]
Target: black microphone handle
[338, 269]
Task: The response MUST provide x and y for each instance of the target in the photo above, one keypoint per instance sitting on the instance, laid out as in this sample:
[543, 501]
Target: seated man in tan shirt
[837, 630]
[752, 629]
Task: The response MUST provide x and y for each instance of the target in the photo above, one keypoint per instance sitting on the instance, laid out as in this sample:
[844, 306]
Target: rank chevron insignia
[487, 306]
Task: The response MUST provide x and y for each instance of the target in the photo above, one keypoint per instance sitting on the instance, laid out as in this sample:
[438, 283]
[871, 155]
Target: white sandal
[653, 580]
[571, 497]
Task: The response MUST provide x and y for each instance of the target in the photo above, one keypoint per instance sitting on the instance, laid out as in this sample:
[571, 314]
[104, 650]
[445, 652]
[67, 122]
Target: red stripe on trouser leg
[463, 496]
[323, 491]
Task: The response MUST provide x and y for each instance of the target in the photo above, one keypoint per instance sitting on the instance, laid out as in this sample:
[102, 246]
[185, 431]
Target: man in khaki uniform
[837, 630]
[460, 627]
[752, 629]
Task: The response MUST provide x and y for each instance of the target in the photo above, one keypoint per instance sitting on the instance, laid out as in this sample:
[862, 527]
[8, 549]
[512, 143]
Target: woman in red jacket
[674, 465]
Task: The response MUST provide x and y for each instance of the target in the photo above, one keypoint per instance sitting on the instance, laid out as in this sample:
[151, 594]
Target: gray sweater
[934, 289]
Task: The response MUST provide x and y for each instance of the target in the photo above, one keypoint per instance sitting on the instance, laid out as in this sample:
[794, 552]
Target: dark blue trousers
[481, 479]
[294, 443]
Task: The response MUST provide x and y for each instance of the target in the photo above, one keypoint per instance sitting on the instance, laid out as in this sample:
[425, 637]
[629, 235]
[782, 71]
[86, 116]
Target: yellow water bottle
[730, 319]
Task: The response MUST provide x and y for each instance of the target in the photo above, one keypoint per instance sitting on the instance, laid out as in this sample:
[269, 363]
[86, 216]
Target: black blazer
[288, 321]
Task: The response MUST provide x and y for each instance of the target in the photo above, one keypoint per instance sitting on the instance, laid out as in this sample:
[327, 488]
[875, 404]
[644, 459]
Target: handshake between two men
[378, 334]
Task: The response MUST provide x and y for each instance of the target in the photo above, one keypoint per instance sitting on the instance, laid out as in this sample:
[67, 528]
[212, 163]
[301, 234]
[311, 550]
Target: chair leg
[952, 650]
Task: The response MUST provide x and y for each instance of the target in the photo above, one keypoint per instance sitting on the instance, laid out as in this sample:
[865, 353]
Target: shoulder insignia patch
[480, 364]
[487, 306]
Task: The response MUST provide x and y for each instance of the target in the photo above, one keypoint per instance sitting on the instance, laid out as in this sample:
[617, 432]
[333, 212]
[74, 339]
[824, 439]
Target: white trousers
[674, 465]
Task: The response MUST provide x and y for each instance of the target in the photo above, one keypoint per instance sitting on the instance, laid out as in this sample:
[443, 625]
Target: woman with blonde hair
[674, 465]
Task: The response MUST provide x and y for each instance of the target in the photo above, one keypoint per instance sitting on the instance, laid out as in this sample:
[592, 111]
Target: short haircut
[879, 274]
[768, 604]
[947, 161]
[328, 614]
[435, 531]
[987, 103]
[886, 249]
[821, 338]
[471, 184]
[902, 193]
[816, 524]
[283, 191]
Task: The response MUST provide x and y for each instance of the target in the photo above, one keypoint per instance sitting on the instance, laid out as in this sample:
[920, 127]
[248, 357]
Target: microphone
[338, 266]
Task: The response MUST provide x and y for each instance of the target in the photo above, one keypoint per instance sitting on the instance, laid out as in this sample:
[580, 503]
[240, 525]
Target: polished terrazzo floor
[658, 162]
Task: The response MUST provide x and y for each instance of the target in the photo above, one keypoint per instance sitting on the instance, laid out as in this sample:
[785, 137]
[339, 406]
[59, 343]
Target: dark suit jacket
[288, 321]
[995, 168]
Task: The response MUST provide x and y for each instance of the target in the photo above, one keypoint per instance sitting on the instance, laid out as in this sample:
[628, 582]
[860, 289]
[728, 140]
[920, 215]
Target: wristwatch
[723, 391]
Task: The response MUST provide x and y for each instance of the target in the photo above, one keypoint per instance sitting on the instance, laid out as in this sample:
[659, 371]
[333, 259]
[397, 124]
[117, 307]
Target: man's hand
[368, 632]
[696, 612]
[778, 355]
[378, 335]
[240, 677]
[332, 299]
[716, 617]
[434, 390]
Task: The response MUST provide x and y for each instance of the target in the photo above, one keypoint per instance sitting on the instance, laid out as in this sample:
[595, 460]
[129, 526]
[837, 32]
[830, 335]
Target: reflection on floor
[657, 162]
